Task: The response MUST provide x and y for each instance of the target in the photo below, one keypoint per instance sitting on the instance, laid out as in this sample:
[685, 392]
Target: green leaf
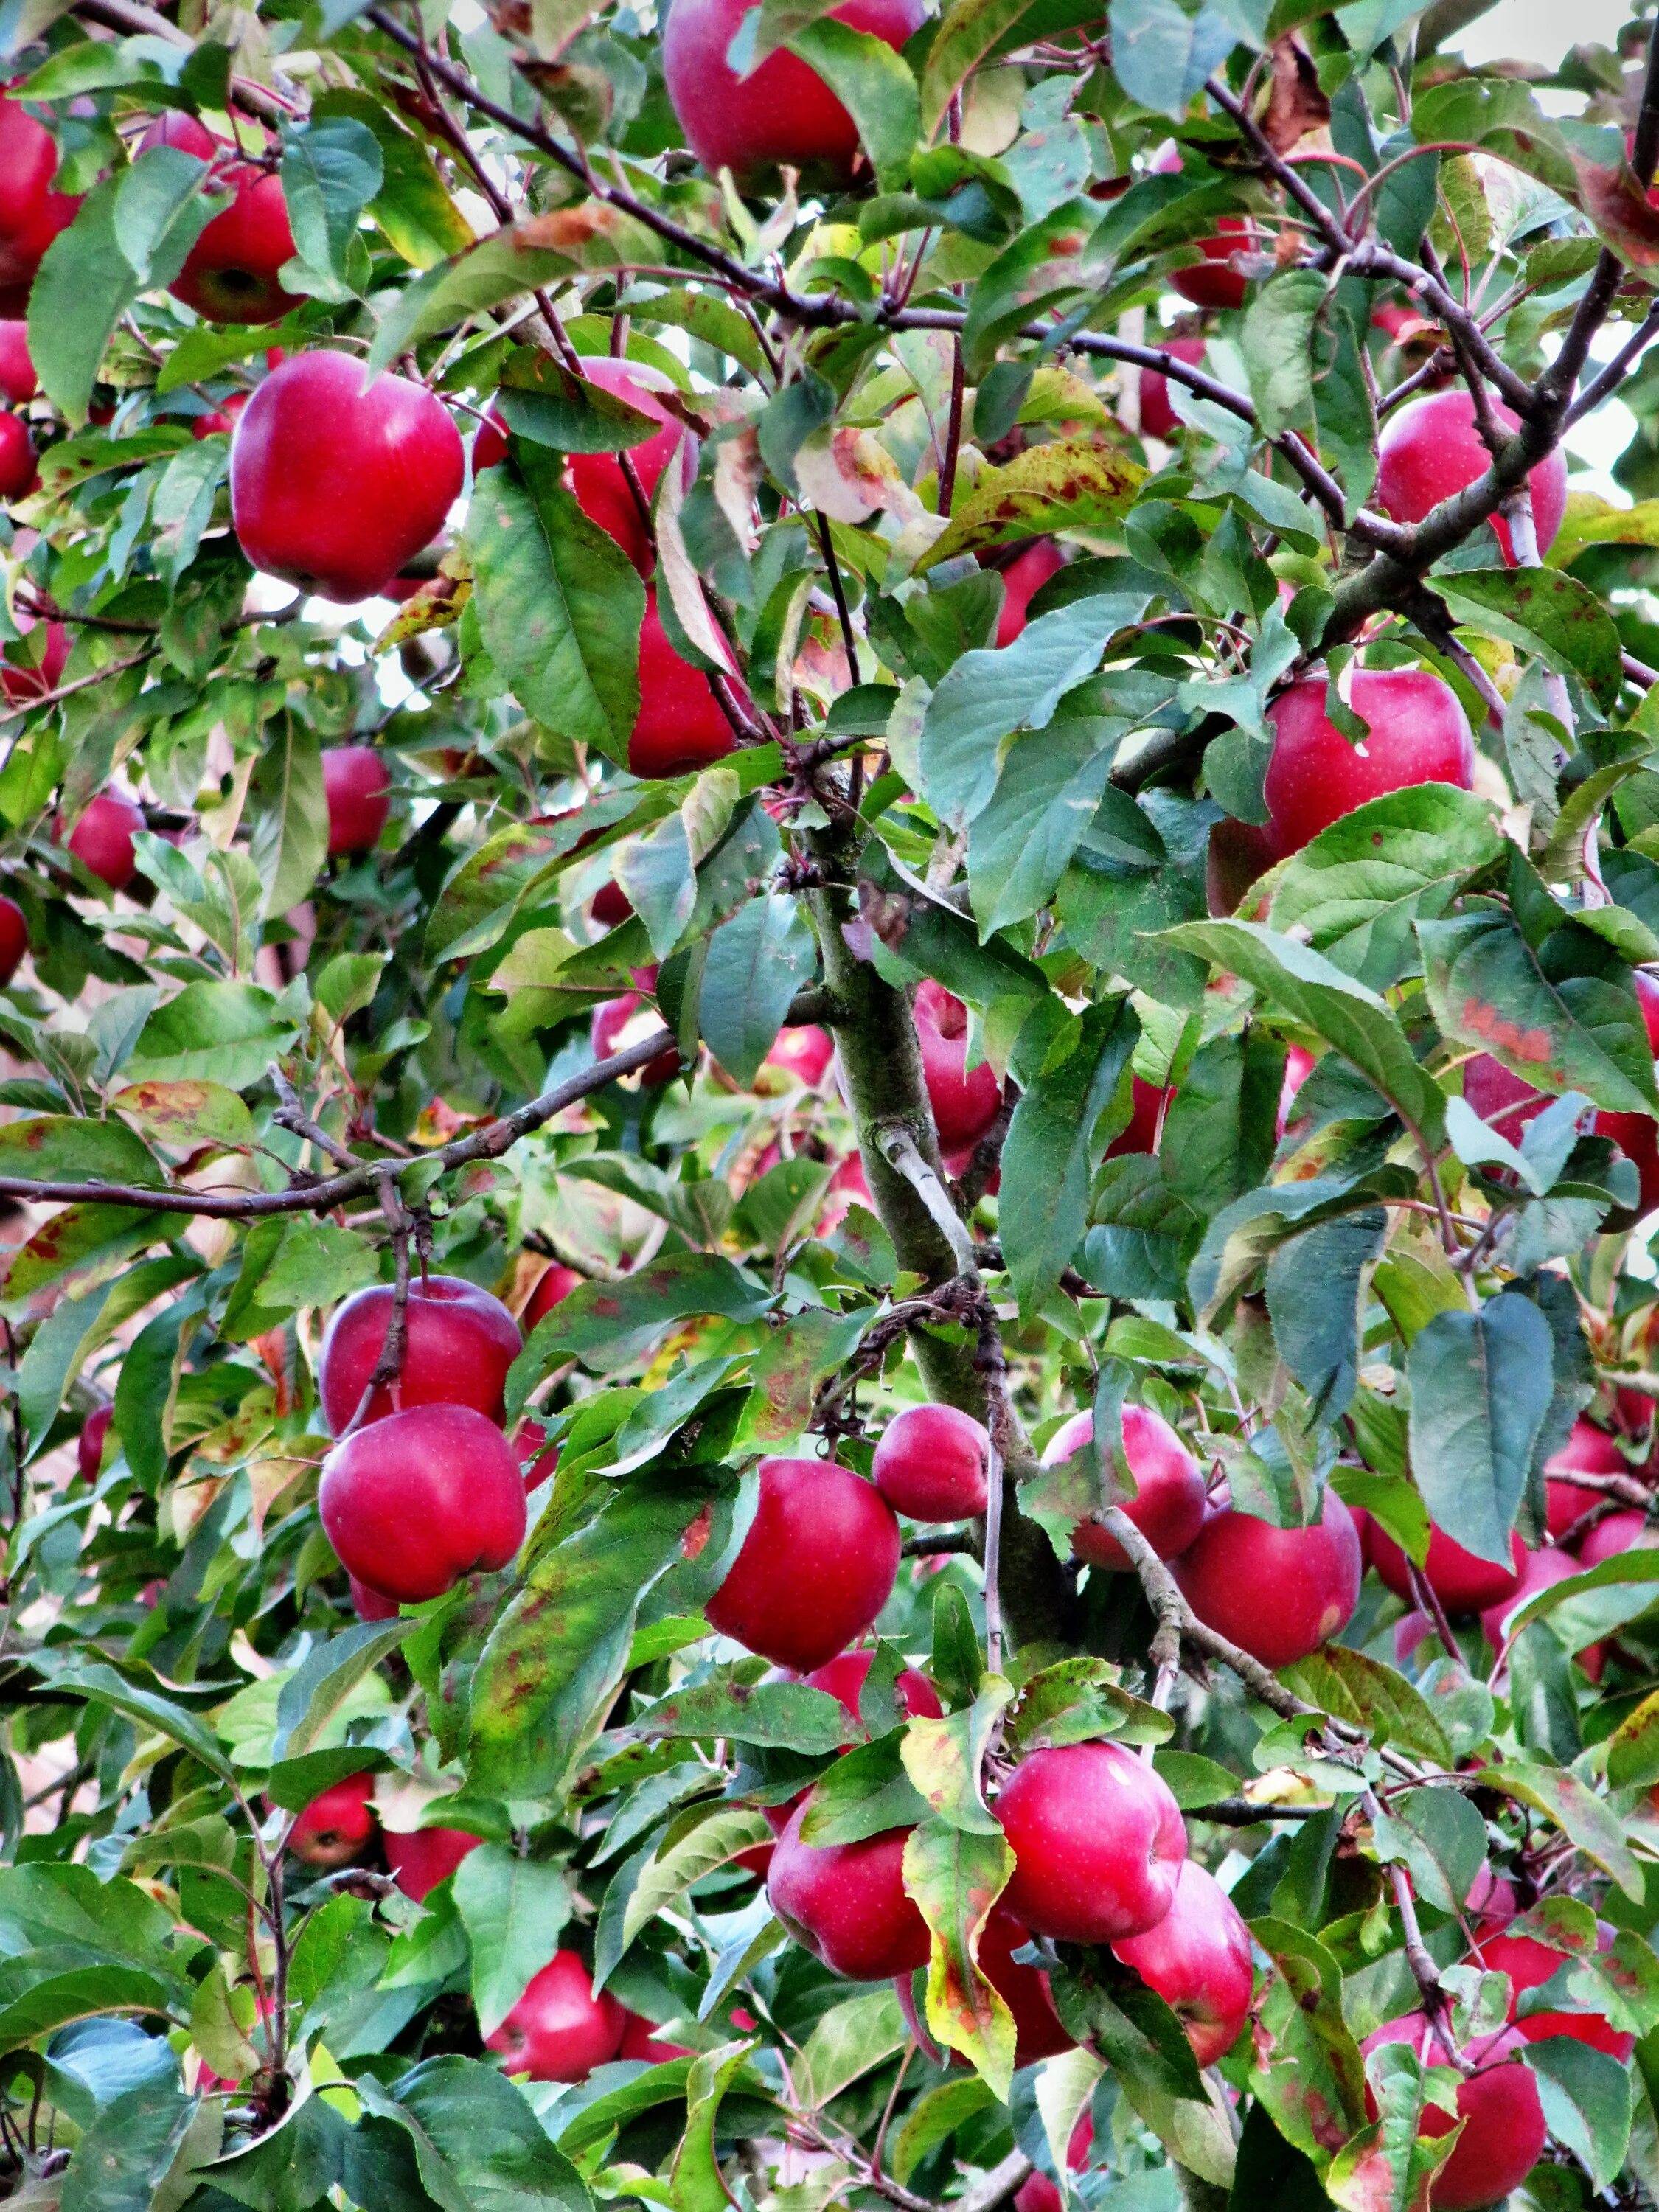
[559, 604]
[786, 1716]
[1586, 2096]
[610, 1325]
[1545, 611]
[955, 1878]
[1314, 1286]
[227, 1032]
[148, 1709]
[1353, 1688]
[968, 31]
[719, 1832]
[182, 1116]
[1441, 1837]
[290, 833]
[1048, 786]
[415, 214]
[943, 1758]
[1633, 1748]
[514, 1909]
[325, 1679]
[1306, 2067]
[75, 1328]
[850, 2040]
[331, 169]
[1051, 1146]
[756, 963]
[1586, 1821]
[1277, 347]
[62, 1148]
[121, 2161]
[1480, 1386]
[477, 2143]
[1161, 55]
[874, 85]
[1067, 485]
[936, 2117]
[1146, 2048]
[1194, 1780]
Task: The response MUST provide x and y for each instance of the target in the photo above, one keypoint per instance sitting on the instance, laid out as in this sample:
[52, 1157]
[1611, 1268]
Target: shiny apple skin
[844, 1678]
[1618, 1532]
[1279, 1593]
[414, 1502]
[601, 490]
[459, 1343]
[553, 1286]
[1098, 1841]
[336, 1825]
[784, 113]
[31, 213]
[1419, 734]
[559, 2031]
[1464, 1584]
[847, 1902]
[641, 2040]
[1158, 417]
[1541, 1571]
[1169, 1504]
[1021, 580]
[965, 1104]
[102, 839]
[930, 1464]
[805, 1050]
[1588, 1450]
[230, 274]
[21, 683]
[1210, 283]
[13, 939]
[1430, 450]
[1198, 1959]
[90, 1444]
[816, 1568]
[368, 1604]
[679, 729]
[1024, 1989]
[20, 474]
[334, 487]
[18, 380]
[1143, 1131]
[1504, 2128]
[420, 1858]
[358, 788]
[1529, 1964]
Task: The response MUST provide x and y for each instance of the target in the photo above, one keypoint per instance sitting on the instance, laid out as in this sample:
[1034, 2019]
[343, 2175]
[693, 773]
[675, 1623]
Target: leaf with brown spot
[1296, 104]
[955, 1878]
[1072, 485]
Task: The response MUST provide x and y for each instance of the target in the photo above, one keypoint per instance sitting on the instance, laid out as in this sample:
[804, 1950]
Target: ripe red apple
[1158, 417]
[553, 1286]
[367, 1604]
[930, 1463]
[1529, 1964]
[1540, 1570]
[1144, 1130]
[1098, 1841]
[1024, 1989]
[847, 1903]
[844, 1678]
[102, 839]
[13, 939]
[1238, 856]
[1504, 2127]
[358, 788]
[414, 1502]
[18, 380]
[610, 906]
[816, 1568]
[21, 682]
[1491, 1902]
[1210, 283]
[1430, 449]
[1168, 1507]
[31, 213]
[1588, 1450]
[1037, 2193]
[1636, 1135]
[89, 1445]
[334, 487]
[1021, 580]
[1618, 1532]
[783, 113]
[1198, 1959]
[612, 1018]
[220, 419]
[19, 474]
[459, 1343]
[1277, 1593]
[806, 1051]
[964, 1105]
[559, 2031]
[641, 2040]
[1419, 734]
[1299, 1064]
[1463, 1583]
[334, 1827]
[230, 274]
[420, 1858]
[680, 727]
[601, 490]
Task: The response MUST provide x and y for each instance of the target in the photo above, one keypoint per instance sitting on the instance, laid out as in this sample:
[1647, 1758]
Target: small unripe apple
[1212, 282]
[231, 273]
[806, 1051]
[334, 1827]
[816, 1566]
[13, 939]
[89, 1445]
[31, 213]
[783, 114]
[102, 839]
[1021, 580]
[1529, 1964]
[1419, 734]
[1168, 1507]
[1279, 1593]
[641, 2040]
[1540, 1570]
[20, 682]
[1504, 2128]
[553, 1285]
[358, 789]
[1158, 417]
[19, 473]
[1463, 1583]
[611, 1018]
[334, 486]
[559, 2030]
[1024, 1989]
[1145, 1129]
[459, 1342]
[844, 1678]
[680, 728]
[1430, 449]
[965, 1104]
[18, 380]
[420, 1858]
[847, 1903]
[1198, 1959]
[1588, 1450]
[931, 1463]
[412, 1503]
[1098, 1841]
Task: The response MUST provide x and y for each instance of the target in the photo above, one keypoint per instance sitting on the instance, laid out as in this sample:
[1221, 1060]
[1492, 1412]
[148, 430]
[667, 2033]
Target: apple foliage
[1031, 546]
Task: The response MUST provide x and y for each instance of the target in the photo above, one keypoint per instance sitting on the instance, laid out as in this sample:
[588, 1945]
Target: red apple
[334, 487]
[815, 1567]
[102, 839]
[1098, 1841]
[1504, 2127]
[220, 420]
[611, 1018]
[1588, 1450]
[1540, 1570]
[1463, 1583]
[806, 1051]
[358, 789]
[847, 1903]
[414, 1502]
[459, 1345]
[89, 1445]
[964, 1105]
[1299, 1064]
[601, 490]
[1021, 580]
[1168, 1506]
[1491, 1902]
[1429, 449]
[18, 380]
[931, 1463]
[1529, 1964]
[1145, 1130]
[1212, 282]
[19, 475]
[420, 1858]
[1023, 1989]
[13, 939]
[1620, 1531]
[610, 906]
[1158, 417]
[844, 1678]
[553, 1285]
[22, 681]
[31, 213]
[1198, 1959]
[1037, 2193]
[334, 1827]
[559, 2030]
[680, 728]
[1238, 856]
[1279, 1593]
[230, 274]
[369, 1605]
[1636, 1135]
[641, 2040]
[782, 113]
[1419, 734]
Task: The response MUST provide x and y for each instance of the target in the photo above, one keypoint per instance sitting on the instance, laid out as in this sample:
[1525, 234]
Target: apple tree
[829, 974]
